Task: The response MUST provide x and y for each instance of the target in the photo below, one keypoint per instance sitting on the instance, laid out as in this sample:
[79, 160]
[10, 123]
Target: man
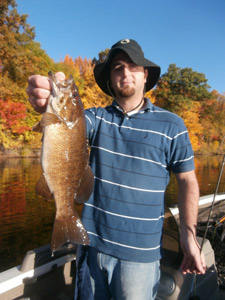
[134, 147]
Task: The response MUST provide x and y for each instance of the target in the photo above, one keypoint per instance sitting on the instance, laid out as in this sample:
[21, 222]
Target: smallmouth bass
[67, 176]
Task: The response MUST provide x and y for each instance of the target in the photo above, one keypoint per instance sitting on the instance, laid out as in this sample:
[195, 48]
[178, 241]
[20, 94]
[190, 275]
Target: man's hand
[39, 90]
[194, 260]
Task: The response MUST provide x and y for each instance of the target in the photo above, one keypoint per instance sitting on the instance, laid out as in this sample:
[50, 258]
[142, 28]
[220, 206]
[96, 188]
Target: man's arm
[188, 201]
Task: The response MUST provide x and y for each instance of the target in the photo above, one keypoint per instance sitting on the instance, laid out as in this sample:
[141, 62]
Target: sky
[188, 33]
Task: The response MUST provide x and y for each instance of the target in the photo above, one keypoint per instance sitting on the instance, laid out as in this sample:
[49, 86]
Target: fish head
[64, 99]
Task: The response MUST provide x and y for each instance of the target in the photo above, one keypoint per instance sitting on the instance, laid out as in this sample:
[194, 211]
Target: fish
[67, 177]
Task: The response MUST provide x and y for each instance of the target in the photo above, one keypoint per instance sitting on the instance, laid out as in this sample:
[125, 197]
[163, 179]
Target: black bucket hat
[134, 51]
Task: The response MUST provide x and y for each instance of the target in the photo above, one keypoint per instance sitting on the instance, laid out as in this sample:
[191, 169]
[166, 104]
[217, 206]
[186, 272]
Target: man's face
[127, 79]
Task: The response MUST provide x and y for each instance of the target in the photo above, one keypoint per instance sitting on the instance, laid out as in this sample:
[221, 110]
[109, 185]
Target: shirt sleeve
[90, 115]
[181, 152]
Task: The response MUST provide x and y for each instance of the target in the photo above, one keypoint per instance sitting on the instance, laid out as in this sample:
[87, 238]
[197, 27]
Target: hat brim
[102, 70]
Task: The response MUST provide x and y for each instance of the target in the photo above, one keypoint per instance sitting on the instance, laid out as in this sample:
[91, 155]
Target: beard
[126, 92]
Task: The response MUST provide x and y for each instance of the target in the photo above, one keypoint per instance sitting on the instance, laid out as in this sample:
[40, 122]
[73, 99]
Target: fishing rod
[195, 297]
[212, 206]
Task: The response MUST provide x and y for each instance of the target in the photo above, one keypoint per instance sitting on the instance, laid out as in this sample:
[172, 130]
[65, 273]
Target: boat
[176, 286]
[42, 276]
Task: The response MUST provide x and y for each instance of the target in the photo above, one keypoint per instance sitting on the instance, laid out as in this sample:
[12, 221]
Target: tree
[12, 116]
[101, 56]
[184, 91]
[213, 120]
[68, 67]
[92, 95]
[180, 87]
[20, 57]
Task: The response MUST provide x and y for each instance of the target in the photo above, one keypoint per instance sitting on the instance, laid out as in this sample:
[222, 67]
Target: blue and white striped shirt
[132, 158]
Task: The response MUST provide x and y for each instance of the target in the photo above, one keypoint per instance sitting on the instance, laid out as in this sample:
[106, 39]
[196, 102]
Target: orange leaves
[12, 116]
[151, 96]
[68, 60]
[91, 94]
[191, 119]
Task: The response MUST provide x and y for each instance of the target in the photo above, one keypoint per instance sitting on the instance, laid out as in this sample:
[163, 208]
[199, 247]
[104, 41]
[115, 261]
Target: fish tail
[68, 229]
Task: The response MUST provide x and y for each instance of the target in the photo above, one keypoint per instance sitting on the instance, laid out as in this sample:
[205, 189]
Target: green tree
[101, 56]
[186, 93]
[178, 88]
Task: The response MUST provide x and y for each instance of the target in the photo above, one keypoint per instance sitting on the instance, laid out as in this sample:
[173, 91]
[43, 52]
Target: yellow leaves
[151, 96]
[92, 94]
[191, 119]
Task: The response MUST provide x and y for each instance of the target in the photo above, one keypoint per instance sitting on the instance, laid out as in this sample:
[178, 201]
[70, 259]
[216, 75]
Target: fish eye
[75, 94]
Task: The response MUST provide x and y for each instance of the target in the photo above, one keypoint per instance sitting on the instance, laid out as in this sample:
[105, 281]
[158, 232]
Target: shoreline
[32, 153]
[20, 153]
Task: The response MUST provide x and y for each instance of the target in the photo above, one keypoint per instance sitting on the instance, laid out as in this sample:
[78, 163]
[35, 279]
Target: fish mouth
[56, 84]
[61, 92]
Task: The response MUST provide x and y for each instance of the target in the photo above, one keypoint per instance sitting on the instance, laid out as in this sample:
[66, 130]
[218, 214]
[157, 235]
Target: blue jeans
[112, 278]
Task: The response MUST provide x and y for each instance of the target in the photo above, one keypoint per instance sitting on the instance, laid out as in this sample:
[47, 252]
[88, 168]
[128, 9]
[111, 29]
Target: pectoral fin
[43, 190]
[86, 186]
[49, 119]
[37, 127]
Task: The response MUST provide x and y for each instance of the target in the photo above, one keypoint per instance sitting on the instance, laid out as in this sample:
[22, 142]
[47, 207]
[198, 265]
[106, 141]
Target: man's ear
[145, 74]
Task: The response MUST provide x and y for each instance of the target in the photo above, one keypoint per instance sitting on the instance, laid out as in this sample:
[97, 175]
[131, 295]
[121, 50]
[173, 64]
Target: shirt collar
[147, 107]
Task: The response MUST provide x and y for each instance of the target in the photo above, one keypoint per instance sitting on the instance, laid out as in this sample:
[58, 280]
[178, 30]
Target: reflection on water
[207, 172]
[26, 219]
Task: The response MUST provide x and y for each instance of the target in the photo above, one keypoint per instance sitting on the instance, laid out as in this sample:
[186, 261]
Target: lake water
[26, 219]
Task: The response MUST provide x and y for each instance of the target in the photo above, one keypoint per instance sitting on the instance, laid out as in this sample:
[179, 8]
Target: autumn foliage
[182, 91]
[186, 92]
[12, 115]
